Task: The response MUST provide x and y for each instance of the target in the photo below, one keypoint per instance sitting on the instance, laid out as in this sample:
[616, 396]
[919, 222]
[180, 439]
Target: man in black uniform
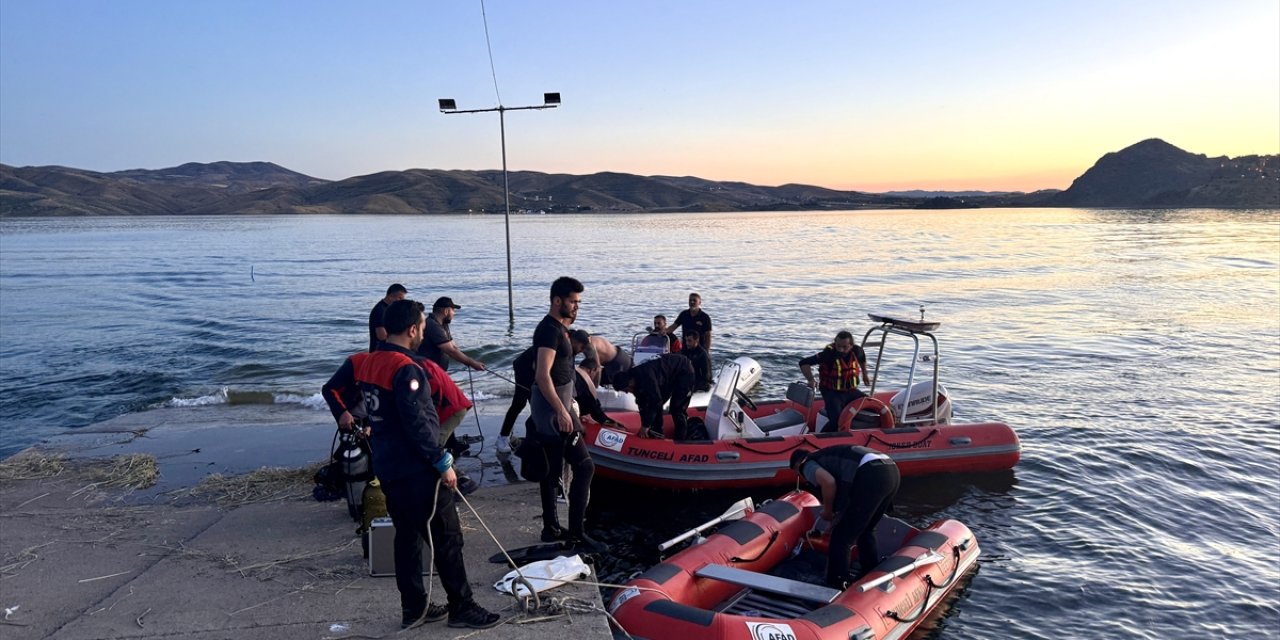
[857, 486]
[417, 475]
[377, 333]
[556, 426]
[701, 361]
[840, 365]
[694, 320]
[668, 377]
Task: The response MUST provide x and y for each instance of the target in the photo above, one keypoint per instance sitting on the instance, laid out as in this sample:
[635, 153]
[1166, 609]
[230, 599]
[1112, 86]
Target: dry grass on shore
[130, 471]
[264, 485]
[32, 464]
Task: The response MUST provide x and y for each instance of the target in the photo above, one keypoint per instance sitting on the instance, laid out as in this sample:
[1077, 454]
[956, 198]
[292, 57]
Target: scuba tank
[374, 505]
[353, 457]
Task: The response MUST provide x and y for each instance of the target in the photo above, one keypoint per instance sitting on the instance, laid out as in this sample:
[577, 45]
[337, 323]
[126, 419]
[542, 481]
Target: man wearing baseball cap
[438, 345]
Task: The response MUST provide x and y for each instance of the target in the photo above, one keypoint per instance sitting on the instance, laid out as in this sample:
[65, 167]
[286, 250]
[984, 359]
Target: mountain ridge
[1150, 173]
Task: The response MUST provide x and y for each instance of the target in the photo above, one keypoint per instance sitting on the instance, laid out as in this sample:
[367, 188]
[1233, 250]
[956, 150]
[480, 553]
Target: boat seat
[771, 584]
[781, 420]
[801, 395]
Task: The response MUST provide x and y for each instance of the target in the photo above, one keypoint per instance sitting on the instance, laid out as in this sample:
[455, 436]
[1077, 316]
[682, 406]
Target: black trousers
[579, 460]
[833, 404]
[409, 503]
[562, 448]
[874, 486]
[518, 401]
[681, 390]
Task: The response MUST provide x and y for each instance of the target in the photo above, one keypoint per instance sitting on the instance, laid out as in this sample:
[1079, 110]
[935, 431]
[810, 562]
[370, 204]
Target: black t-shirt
[689, 323]
[436, 334]
[375, 321]
[523, 367]
[553, 335]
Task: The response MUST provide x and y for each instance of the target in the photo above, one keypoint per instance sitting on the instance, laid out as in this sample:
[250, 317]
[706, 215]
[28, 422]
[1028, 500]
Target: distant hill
[1154, 173]
[1151, 173]
[261, 188]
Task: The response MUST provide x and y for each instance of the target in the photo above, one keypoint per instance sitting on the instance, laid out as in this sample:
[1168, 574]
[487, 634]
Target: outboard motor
[353, 457]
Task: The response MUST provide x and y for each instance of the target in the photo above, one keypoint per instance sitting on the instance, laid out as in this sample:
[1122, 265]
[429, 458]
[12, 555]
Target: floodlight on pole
[549, 101]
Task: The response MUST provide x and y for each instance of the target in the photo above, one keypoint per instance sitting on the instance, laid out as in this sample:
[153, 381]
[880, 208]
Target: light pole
[549, 101]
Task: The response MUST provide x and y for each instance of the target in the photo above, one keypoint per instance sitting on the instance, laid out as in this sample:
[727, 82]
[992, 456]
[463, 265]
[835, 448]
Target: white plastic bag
[544, 575]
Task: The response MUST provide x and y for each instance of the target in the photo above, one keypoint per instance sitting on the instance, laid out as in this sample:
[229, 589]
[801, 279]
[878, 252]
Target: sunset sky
[951, 95]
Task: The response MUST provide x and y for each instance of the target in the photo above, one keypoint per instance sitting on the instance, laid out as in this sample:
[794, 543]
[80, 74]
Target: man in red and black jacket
[416, 473]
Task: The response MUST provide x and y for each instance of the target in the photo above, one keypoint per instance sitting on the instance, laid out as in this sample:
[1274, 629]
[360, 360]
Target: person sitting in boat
[840, 365]
[601, 358]
[701, 361]
[660, 329]
[856, 487]
[668, 377]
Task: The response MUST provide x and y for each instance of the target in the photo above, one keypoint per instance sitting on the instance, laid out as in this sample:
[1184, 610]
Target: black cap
[578, 335]
[445, 302]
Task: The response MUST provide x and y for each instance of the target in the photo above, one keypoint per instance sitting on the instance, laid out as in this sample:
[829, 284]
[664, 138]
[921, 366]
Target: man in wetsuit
[523, 367]
[840, 365]
[556, 427]
[416, 474]
[377, 333]
[856, 487]
[666, 378]
[694, 320]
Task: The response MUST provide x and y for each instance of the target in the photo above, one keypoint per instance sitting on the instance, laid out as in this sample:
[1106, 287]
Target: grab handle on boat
[736, 511]
[925, 559]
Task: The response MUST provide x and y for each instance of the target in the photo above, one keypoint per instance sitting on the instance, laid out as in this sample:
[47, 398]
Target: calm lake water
[1137, 353]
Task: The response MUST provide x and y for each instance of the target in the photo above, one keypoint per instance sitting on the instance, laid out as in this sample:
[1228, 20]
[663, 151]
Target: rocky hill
[1151, 173]
[1154, 173]
[259, 187]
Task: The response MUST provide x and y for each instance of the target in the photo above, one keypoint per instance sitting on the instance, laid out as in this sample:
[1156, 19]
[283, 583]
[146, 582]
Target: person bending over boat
[556, 427]
[666, 378]
[694, 320]
[840, 365]
[701, 361]
[601, 358]
[416, 473]
[856, 487]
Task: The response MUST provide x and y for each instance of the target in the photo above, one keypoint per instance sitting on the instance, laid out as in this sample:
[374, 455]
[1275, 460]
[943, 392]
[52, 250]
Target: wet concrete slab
[83, 561]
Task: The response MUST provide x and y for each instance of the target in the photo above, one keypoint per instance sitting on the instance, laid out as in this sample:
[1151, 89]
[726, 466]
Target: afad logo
[610, 439]
[771, 631]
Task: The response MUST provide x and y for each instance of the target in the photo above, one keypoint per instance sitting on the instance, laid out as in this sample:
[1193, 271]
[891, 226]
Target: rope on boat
[928, 593]
[904, 446]
[772, 539]
[741, 445]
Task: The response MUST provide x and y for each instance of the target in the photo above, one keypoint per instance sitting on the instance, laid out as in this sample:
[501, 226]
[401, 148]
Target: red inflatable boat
[727, 586]
[748, 445]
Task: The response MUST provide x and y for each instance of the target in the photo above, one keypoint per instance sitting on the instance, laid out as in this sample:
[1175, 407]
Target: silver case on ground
[382, 555]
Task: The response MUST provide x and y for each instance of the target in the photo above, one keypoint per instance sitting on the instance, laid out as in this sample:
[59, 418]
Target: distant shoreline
[1151, 174]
